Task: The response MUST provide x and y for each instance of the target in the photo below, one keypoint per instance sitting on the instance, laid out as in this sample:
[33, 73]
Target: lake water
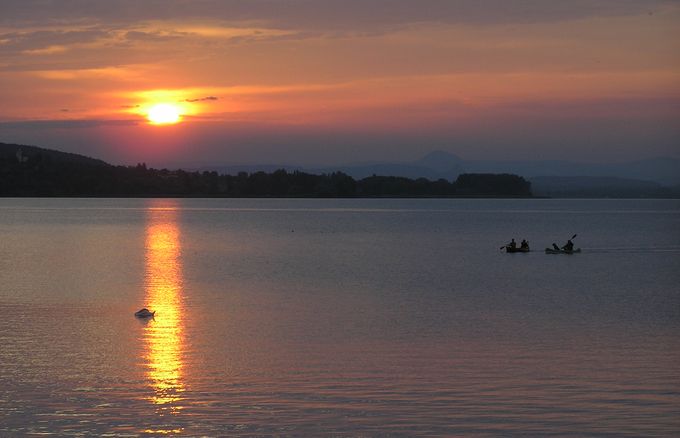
[338, 317]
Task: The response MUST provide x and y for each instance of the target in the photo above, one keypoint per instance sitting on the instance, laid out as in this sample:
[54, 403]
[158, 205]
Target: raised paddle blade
[573, 237]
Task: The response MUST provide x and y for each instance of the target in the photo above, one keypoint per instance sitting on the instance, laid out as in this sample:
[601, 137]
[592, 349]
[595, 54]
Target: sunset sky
[315, 82]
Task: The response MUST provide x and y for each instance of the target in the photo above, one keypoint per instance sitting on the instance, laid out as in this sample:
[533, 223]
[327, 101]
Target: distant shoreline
[30, 171]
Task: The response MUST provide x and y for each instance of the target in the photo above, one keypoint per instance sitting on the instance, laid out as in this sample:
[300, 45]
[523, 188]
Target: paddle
[573, 237]
[502, 247]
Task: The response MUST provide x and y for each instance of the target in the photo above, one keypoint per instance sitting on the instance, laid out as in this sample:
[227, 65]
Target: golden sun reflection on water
[164, 335]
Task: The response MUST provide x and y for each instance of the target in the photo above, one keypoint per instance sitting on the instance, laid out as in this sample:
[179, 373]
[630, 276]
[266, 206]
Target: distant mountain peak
[440, 160]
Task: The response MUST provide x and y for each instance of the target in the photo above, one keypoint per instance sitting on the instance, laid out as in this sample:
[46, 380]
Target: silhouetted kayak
[561, 251]
[507, 249]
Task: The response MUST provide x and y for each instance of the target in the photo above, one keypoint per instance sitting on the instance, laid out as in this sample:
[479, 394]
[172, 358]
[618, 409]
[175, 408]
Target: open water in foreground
[338, 317]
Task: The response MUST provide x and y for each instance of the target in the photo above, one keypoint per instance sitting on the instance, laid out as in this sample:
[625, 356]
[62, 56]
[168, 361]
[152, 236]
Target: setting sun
[164, 114]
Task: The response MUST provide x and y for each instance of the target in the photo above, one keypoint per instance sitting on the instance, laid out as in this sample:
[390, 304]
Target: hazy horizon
[189, 165]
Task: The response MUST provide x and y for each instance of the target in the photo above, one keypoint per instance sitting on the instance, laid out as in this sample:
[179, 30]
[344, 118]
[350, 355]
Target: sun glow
[164, 114]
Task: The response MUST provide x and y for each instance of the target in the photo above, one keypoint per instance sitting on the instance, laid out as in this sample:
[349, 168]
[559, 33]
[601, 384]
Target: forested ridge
[32, 171]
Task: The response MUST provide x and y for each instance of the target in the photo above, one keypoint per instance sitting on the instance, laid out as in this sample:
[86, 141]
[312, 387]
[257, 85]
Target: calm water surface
[338, 317]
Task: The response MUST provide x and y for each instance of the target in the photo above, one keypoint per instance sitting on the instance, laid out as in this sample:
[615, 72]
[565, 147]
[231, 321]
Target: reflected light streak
[164, 335]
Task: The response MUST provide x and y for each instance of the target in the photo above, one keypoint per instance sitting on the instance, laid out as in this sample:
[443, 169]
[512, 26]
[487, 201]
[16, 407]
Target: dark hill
[18, 152]
[34, 171]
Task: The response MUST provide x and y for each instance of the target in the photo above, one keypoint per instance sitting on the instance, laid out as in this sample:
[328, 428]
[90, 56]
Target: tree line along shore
[31, 171]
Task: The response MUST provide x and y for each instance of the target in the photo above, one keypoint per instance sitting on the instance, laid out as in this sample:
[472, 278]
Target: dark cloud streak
[66, 124]
[201, 99]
